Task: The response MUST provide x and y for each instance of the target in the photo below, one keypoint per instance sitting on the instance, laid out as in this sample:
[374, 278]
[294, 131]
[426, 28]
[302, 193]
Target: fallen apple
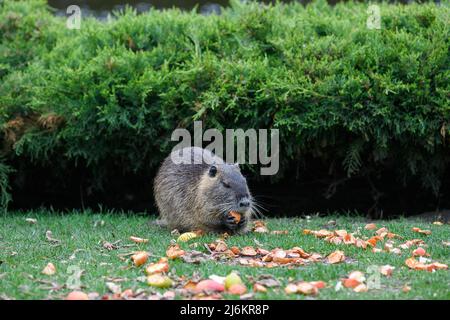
[139, 258]
[232, 279]
[77, 295]
[209, 285]
[159, 281]
[237, 288]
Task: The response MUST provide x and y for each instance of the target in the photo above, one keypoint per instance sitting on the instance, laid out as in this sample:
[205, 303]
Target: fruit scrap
[49, 269]
[237, 289]
[138, 240]
[259, 288]
[370, 226]
[236, 215]
[420, 252]
[260, 227]
[139, 258]
[174, 251]
[355, 281]
[418, 230]
[185, 237]
[159, 281]
[209, 285]
[387, 270]
[303, 287]
[232, 279]
[158, 267]
[77, 295]
[412, 263]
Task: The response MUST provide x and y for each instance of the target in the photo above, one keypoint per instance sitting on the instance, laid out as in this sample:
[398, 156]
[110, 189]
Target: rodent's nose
[244, 203]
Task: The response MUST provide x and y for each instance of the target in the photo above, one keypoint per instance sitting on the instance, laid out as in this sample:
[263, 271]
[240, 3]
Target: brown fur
[188, 198]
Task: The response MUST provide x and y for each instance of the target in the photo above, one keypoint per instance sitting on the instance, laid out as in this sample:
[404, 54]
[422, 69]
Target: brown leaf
[248, 251]
[336, 257]
[307, 288]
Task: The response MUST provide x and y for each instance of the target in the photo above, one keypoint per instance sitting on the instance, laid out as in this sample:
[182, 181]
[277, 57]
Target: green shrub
[109, 95]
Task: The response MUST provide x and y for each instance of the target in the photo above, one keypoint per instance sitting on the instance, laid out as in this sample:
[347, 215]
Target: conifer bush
[109, 95]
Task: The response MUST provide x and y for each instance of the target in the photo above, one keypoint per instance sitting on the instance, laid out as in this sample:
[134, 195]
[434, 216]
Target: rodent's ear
[212, 171]
[237, 165]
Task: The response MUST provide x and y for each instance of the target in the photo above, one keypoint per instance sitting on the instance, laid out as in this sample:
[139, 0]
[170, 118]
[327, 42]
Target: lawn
[25, 250]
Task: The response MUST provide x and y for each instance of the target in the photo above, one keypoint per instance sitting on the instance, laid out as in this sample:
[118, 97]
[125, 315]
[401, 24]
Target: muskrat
[200, 194]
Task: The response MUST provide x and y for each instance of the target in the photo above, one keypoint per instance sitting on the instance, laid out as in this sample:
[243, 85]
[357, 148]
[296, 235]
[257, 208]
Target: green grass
[24, 252]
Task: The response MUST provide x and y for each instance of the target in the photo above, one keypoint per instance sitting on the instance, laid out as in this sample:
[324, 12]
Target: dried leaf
[336, 257]
[248, 251]
[307, 288]
[381, 231]
[49, 269]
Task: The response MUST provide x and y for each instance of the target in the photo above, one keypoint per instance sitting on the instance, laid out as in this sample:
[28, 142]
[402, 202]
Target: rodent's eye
[226, 185]
[212, 171]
